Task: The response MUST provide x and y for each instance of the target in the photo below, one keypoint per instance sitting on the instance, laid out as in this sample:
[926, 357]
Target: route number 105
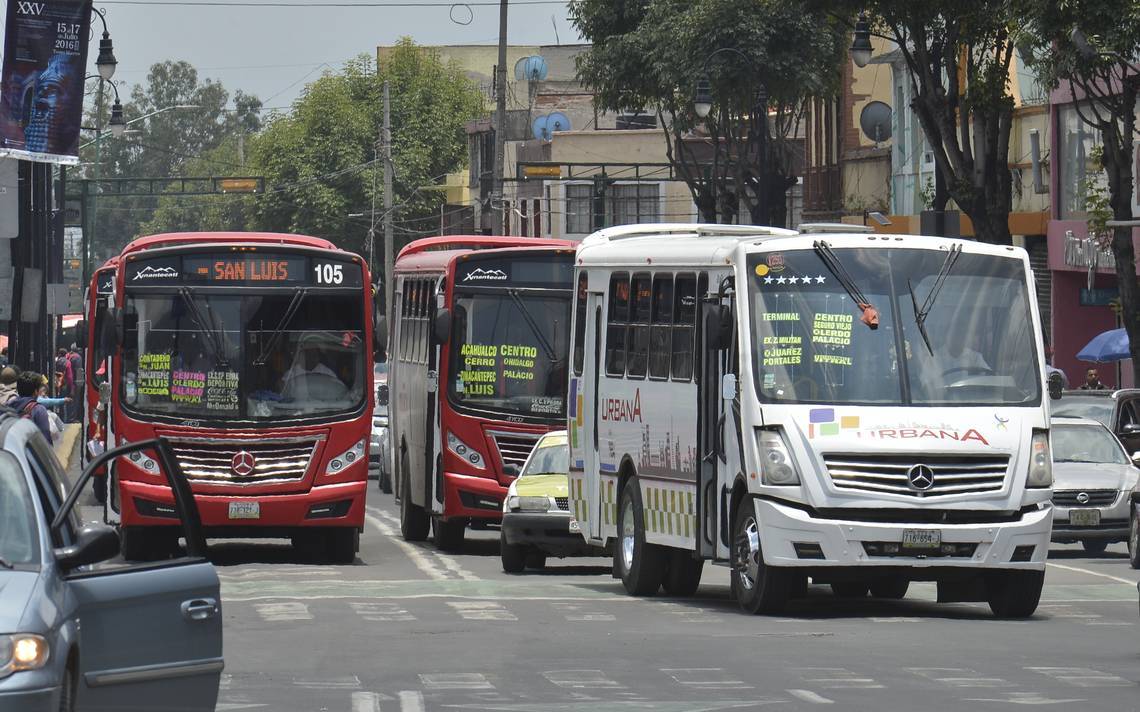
[329, 274]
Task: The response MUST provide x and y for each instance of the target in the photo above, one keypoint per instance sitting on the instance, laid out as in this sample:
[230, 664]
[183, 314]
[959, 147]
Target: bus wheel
[1014, 594]
[341, 545]
[513, 556]
[891, 588]
[414, 521]
[147, 543]
[449, 534]
[757, 587]
[1134, 539]
[640, 565]
[536, 560]
[850, 589]
[684, 574]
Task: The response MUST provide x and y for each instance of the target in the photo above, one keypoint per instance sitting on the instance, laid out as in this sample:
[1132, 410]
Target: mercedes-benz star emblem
[920, 477]
[1083, 498]
[243, 464]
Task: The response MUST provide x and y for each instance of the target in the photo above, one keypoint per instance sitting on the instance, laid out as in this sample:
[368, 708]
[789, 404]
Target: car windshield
[550, 457]
[1092, 408]
[810, 345]
[19, 543]
[209, 355]
[1086, 443]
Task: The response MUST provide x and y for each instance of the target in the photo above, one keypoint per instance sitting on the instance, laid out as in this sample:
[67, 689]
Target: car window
[19, 543]
[53, 487]
[1098, 409]
[551, 456]
[1086, 443]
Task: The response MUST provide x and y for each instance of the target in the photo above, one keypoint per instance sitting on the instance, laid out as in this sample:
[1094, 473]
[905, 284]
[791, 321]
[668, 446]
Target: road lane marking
[347, 682]
[705, 678]
[1083, 677]
[959, 677]
[411, 701]
[365, 702]
[837, 678]
[812, 697]
[413, 552]
[1061, 610]
[580, 678]
[1079, 570]
[386, 522]
[455, 681]
[284, 611]
[1024, 698]
[573, 612]
[380, 612]
[482, 611]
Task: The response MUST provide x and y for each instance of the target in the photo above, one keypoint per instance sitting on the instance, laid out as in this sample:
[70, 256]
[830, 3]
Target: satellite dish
[875, 120]
[543, 127]
[531, 69]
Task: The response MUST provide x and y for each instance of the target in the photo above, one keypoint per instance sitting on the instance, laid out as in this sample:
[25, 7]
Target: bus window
[638, 340]
[616, 323]
[580, 324]
[684, 318]
[660, 333]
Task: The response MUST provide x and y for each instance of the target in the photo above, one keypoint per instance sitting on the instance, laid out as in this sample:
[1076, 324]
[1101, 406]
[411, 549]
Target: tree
[770, 55]
[959, 56]
[1092, 47]
[321, 160]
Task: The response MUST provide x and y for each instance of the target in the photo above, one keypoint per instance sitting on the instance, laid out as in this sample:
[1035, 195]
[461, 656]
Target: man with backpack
[28, 386]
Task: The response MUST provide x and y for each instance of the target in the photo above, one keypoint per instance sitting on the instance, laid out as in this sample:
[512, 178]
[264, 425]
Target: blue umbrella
[1106, 347]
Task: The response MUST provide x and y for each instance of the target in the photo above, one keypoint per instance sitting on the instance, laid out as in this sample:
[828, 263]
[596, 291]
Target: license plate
[245, 510]
[1084, 517]
[921, 538]
[575, 527]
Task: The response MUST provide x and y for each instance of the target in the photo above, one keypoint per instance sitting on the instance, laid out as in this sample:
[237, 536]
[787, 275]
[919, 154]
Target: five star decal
[806, 280]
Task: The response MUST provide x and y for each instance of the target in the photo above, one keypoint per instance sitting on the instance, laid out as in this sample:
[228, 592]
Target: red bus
[477, 368]
[96, 366]
[252, 354]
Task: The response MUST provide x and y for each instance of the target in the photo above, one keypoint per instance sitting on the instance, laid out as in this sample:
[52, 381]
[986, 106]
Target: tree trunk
[1118, 166]
[990, 226]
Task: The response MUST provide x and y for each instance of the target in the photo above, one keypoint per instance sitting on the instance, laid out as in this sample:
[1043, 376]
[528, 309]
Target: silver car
[379, 449]
[1093, 480]
[151, 635]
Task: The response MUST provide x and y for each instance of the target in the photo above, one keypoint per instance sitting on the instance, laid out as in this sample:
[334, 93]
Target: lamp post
[703, 101]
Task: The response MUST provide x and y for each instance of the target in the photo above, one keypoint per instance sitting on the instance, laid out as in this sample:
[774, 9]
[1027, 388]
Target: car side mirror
[1136, 458]
[718, 326]
[382, 394]
[380, 330]
[93, 543]
[441, 326]
[81, 333]
[511, 470]
[1130, 429]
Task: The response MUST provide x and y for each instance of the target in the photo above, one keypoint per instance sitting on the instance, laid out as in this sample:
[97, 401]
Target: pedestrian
[28, 387]
[79, 389]
[3, 357]
[1050, 369]
[7, 384]
[1092, 381]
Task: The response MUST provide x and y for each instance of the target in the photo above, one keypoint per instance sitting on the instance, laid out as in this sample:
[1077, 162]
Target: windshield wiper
[204, 328]
[533, 326]
[921, 314]
[870, 315]
[6, 564]
[286, 319]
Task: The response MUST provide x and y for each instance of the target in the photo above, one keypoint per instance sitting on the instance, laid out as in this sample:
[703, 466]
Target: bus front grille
[244, 463]
[514, 448]
[917, 475]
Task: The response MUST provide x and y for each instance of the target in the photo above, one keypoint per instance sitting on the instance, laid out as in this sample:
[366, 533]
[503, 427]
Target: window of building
[616, 322]
[638, 329]
[624, 204]
[1076, 141]
[684, 321]
[579, 208]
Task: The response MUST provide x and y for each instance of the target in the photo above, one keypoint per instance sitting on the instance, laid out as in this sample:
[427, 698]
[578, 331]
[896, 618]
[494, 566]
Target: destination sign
[553, 271]
[246, 269]
[253, 269]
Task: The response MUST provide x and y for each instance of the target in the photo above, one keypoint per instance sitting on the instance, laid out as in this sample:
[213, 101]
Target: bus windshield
[291, 354]
[810, 345]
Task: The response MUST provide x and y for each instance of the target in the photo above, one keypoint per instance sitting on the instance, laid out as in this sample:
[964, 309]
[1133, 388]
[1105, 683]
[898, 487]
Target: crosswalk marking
[284, 611]
[706, 678]
[813, 697]
[411, 701]
[959, 677]
[482, 611]
[1082, 677]
[580, 678]
[574, 612]
[1057, 610]
[381, 612]
[365, 702]
[834, 678]
[454, 681]
[346, 682]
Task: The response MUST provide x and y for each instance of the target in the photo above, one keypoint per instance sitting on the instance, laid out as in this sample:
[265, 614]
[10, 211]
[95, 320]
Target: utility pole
[497, 212]
[389, 242]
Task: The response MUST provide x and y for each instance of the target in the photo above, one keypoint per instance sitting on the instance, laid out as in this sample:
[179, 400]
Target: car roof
[1078, 393]
[1070, 420]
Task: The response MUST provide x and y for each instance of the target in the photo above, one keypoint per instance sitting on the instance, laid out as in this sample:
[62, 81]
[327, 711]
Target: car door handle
[199, 609]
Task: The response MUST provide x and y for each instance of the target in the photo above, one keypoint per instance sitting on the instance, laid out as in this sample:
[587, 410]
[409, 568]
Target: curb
[65, 448]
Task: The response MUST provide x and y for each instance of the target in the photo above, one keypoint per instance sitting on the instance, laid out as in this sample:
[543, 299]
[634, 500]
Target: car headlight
[22, 652]
[346, 458]
[776, 464]
[464, 451]
[1040, 462]
[528, 504]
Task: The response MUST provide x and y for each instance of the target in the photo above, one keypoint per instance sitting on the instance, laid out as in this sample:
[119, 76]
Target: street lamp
[861, 49]
[106, 61]
[117, 123]
[702, 98]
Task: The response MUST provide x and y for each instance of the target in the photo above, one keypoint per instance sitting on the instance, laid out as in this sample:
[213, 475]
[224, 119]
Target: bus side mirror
[382, 394]
[112, 333]
[441, 326]
[380, 332]
[81, 333]
[718, 327]
[1055, 386]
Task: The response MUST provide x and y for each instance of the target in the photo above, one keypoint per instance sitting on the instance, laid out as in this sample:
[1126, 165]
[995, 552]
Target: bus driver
[310, 378]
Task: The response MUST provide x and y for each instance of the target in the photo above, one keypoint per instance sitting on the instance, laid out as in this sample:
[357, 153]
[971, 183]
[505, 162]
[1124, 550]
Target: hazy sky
[273, 51]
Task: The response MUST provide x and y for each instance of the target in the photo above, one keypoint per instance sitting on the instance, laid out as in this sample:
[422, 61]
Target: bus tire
[1134, 539]
[1014, 594]
[1094, 546]
[147, 543]
[415, 523]
[341, 545]
[536, 560]
[640, 565]
[850, 589]
[684, 574]
[448, 534]
[512, 555]
[890, 588]
[757, 587]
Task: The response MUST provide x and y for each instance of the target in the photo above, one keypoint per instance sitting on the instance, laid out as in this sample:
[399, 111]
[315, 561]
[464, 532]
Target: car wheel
[640, 565]
[892, 588]
[415, 523]
[341, 545]
[1094, 546]
[512, 555]
[67, 689]
[385, 482]
[1134, 540]
[757, 587]
[1014, 594]
[684, 574]
[850, 589]
[449, 534]
[536, 560]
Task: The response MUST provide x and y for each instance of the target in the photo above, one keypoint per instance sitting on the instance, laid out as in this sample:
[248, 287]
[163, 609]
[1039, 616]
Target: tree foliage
[770, 55]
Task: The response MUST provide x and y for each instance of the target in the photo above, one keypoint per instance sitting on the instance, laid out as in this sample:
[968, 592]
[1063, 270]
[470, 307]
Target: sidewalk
[65, 448]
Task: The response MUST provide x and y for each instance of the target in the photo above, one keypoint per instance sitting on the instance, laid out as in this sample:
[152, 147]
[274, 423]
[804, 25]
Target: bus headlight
[142, 461]
[346, 458]
[464, 451]
[776, 464]
[1040, 462]
[22, 652]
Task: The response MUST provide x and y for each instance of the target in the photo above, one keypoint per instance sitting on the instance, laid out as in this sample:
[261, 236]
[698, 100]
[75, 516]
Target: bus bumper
[793, 537]
[334, 505]
[470, 497]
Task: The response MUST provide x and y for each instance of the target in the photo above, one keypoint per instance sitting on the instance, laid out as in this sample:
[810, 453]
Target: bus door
[433, 448]
[718, 417]
[107, 392]
[591, 370]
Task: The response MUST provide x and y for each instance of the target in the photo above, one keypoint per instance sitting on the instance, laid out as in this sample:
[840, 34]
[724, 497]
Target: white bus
[864, 410]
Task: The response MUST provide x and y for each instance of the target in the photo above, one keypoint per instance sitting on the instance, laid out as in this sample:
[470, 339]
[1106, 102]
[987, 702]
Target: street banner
[41, 82]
